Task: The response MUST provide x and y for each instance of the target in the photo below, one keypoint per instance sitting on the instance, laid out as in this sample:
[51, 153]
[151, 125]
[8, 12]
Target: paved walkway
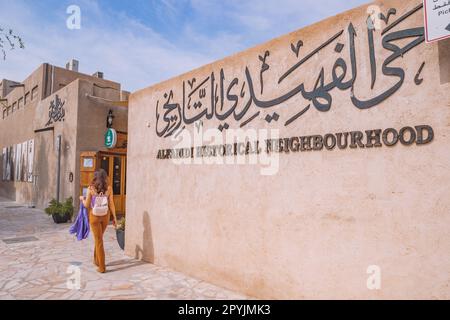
[41, 267]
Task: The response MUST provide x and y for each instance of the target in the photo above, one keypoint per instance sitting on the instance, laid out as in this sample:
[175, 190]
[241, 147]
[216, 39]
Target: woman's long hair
[100, 181]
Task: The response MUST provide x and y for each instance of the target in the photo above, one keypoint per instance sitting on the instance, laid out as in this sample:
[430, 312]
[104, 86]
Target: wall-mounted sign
[375, 138]
[121, 144]
[88, 162]
[437, 19]
[110, 138]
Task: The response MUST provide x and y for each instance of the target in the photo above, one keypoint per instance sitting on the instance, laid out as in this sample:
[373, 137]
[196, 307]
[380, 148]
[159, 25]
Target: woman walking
[100, 203]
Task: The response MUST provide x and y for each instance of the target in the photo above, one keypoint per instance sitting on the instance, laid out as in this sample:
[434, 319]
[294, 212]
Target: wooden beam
[123, 103]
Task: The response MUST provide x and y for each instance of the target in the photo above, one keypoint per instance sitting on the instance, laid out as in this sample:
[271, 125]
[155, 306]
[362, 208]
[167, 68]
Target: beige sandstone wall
[17, 128]
[45, 158]
[312, 229]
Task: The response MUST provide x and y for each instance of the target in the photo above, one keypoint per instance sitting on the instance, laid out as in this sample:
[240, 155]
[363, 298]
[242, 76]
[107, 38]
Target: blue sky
[142, 42]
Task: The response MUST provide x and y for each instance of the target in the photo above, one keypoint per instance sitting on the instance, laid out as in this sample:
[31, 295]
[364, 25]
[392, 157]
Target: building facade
[48, 122]
[337, 185]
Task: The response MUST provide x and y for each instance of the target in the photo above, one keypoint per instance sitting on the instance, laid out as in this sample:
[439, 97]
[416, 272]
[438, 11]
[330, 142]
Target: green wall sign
[110, 138]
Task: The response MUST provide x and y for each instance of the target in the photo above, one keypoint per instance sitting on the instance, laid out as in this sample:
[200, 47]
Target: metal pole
[35, 191]
[58, 175]
[33, 197]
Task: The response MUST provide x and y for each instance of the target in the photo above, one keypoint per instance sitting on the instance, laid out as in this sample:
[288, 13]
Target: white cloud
[124, 49]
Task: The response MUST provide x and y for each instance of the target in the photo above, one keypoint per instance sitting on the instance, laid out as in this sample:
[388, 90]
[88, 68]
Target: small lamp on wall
[109, 119]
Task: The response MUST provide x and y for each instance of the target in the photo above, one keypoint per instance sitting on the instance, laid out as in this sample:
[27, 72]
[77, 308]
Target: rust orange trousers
[98, 227]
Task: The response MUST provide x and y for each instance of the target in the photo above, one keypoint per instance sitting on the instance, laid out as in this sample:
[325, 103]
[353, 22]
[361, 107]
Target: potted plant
[60, 212]
[120, 232]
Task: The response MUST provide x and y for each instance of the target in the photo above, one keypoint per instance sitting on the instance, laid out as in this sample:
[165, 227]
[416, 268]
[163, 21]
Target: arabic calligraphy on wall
[237, 101]
[56, 111]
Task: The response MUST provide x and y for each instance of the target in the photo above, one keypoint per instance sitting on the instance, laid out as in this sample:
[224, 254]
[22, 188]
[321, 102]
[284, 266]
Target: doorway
[115, 167]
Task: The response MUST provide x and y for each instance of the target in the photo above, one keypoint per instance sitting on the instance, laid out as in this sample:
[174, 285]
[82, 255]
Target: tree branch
[9, 40]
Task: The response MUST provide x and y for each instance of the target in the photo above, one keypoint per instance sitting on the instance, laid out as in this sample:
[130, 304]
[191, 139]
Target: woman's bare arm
[87, 201]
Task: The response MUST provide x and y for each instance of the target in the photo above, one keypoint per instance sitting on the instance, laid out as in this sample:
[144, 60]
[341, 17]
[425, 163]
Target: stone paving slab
[41, 269]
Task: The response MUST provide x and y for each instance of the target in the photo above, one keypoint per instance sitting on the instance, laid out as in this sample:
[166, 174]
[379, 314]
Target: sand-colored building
[58, 102]
[349, 122]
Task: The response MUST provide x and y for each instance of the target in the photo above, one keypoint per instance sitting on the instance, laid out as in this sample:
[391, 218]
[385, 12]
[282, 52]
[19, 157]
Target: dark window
[117, 175]
[104, 164]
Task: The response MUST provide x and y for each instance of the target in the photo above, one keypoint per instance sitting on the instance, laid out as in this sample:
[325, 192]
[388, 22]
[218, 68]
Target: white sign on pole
[437, 19]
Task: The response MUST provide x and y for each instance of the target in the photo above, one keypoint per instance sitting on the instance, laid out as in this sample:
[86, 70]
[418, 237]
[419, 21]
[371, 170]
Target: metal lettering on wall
[56, 111]
[375, 138]
[242, 102]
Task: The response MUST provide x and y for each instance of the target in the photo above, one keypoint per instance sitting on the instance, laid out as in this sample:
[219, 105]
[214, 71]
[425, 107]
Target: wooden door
[115, 167]
[88, 166]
